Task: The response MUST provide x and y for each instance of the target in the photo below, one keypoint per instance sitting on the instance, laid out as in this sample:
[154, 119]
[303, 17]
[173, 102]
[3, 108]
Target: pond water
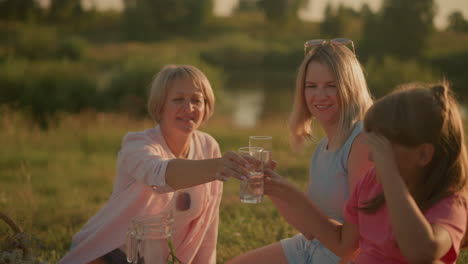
[250, 106]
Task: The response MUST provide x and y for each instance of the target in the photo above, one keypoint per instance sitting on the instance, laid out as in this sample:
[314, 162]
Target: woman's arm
[358, 164]
[182, 173]
[418, 240]
[358, 161]
[309, 219]
[145, 161]
[288, 213]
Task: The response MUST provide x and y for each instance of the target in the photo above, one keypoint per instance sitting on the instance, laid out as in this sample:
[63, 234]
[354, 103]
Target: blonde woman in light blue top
[330, 89]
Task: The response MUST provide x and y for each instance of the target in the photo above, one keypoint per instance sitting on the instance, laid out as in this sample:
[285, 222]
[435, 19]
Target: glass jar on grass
[149, 237]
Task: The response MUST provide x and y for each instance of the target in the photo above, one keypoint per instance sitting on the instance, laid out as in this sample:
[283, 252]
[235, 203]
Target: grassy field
[52, 182]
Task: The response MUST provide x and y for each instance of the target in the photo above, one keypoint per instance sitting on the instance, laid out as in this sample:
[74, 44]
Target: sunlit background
[74, 79]
[311, 11]
[249, 48]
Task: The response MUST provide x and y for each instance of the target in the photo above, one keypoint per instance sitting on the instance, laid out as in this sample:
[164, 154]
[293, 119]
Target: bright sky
[314, 11]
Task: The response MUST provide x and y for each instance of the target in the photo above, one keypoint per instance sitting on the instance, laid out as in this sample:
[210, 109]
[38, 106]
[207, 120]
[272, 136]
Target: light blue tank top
[328, 185]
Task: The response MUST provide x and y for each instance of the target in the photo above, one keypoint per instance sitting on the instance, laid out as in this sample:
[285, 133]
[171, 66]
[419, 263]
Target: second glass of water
[251, 190]
[265, 142]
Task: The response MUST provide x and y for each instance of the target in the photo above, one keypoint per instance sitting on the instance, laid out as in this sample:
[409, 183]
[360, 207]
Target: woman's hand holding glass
[275, 184]
[235, 165]
[244, 166]
[271, 164]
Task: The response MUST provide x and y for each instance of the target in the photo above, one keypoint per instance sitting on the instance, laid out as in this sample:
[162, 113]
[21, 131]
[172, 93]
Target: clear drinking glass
[265, 142]
[251, 190]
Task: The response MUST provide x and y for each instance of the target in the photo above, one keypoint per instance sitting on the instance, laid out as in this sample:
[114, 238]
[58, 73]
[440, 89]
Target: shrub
[235, 50]
[383, 75]
[35, 43]
[12, 83]
[129, 85]
[43, 89]
[72, 48]
[42, 43]
[453, 66]
[128, 88]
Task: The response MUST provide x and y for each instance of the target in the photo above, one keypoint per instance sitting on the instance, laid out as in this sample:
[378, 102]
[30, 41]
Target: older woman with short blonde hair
[160, 88]
[153, 163]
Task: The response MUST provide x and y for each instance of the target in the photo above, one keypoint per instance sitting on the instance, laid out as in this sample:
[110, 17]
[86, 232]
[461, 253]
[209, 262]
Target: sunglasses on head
[320, 42]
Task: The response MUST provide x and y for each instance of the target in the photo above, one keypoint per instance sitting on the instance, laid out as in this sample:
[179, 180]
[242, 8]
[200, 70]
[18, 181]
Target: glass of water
[265, 142]
[251, 190]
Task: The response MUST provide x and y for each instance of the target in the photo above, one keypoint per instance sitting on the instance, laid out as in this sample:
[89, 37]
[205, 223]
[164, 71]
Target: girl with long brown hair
[412, 207]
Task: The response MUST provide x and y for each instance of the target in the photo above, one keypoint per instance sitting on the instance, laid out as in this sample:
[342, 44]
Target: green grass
[53, 182]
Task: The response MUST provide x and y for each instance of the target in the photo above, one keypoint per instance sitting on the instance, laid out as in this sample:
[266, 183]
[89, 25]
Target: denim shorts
[299, 250]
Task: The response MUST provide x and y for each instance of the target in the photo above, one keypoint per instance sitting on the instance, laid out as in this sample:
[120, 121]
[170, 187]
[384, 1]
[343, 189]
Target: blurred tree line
[457, 22]
[65, 58]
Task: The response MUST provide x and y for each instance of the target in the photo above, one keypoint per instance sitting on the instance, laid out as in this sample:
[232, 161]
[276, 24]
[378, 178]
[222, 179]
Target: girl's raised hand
[381, 152]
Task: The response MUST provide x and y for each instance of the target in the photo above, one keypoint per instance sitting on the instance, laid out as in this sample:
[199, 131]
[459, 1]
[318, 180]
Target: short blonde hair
[352, 90]
[162, 83]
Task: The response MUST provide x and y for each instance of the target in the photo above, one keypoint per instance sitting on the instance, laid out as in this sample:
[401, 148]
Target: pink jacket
[140, 189]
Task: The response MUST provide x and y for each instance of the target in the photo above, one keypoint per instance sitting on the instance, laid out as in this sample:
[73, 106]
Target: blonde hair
[415, 114]
[352, 90]
[162, 83]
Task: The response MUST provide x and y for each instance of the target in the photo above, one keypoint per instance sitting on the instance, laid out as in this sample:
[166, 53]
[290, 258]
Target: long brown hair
[415, 114]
